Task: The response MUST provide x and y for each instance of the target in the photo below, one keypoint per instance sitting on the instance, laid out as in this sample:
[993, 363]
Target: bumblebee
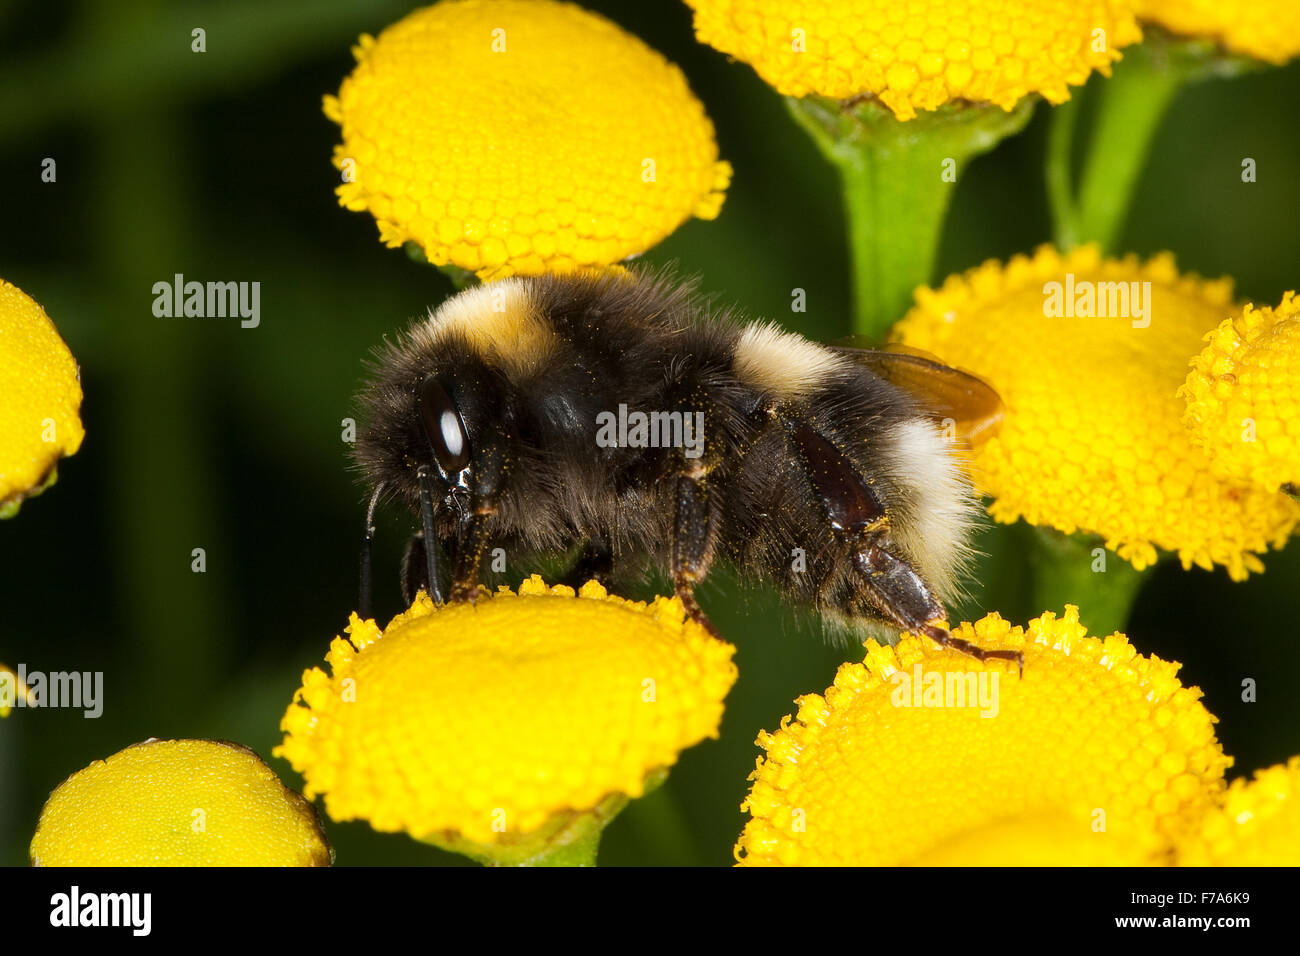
[628, 420]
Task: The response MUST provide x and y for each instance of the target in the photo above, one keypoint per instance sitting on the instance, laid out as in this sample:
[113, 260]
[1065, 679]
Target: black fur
[653, 344]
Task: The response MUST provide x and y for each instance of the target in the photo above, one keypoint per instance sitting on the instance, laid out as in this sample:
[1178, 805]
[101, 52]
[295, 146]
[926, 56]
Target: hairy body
[815, 475]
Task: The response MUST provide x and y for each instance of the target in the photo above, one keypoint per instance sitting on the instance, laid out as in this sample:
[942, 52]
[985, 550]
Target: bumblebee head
[436, 420]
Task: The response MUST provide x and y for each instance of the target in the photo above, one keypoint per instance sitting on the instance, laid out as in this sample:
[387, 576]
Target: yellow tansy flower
[514, 137]
[178, 803]
[1257, 825]
[40, 395]
[923, 755]
[1243, 395]
[1092, 439]
[486, 723]
[919, 54]
[1265, 29]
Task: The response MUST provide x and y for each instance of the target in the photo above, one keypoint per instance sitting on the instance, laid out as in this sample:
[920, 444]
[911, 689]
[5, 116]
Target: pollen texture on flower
[1264, 29]
[483, 721]
[178, 803]
[919, 54]
[1093, 439]
[40, 396]
[514, 137]
[1243, 395]
[906, 760]
[1257, 824]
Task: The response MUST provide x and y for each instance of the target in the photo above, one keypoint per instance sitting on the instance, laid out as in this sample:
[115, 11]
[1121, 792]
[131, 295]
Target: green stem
[580, 850]
[1060, 180]
[898, 180]
[1134, 101]
[569, 838]
[1073, 569]
[1130, 106]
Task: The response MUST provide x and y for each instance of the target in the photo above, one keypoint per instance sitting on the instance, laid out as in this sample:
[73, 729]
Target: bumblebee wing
[946, 393]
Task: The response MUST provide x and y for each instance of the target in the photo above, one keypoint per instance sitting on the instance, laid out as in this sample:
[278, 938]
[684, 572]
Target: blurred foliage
[203, 434]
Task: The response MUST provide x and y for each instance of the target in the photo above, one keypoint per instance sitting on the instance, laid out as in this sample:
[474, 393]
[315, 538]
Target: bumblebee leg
[858, 517]
[415, 568]
[692, 545]
[365, 597]
[903, 596]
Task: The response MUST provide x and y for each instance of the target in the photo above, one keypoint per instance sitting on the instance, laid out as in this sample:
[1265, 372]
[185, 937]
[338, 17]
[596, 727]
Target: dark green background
[201, 434]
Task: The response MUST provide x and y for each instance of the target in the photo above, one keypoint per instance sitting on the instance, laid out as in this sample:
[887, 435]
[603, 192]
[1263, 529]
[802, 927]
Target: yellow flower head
[920, 54]
[923, 755]
[40, 394]
[522, 136]
[484, 722]
[1243, 396]
[1258, 823]
[1264, 29]
[1092, 439]
[178, 803]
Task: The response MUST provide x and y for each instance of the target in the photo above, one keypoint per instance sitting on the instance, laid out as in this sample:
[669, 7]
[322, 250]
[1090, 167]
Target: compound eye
[444, 428]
